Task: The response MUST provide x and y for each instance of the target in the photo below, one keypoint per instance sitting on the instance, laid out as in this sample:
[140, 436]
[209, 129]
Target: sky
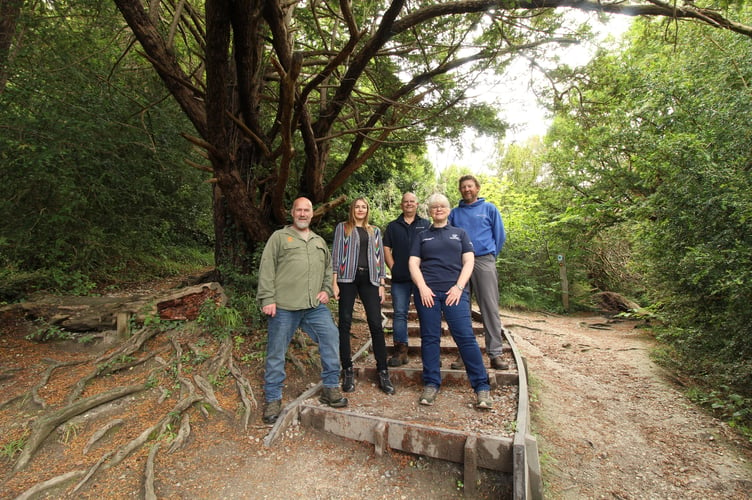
[517, 104]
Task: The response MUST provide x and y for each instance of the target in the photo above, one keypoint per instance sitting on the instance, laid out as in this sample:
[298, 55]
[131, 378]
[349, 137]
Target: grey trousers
[485, 286]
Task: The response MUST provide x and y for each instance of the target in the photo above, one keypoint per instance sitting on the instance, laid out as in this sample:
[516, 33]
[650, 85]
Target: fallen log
[86, 314]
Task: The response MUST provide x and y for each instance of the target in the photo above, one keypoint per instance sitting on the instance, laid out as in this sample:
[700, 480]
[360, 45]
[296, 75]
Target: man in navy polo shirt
[398, 238]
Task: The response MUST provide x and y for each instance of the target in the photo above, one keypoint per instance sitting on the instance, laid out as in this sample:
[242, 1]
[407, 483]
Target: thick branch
[164, 62]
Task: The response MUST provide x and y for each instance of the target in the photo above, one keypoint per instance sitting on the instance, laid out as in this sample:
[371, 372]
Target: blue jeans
[401, 303]
[461, 327]
[317, 322]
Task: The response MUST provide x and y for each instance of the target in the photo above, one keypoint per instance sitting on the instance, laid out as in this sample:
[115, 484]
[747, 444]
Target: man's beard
[302, 224]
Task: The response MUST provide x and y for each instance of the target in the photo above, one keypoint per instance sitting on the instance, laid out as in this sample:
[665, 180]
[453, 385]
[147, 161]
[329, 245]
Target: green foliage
[9, 449]
[220, 321]
[528, 266]
[726, 405]
[653, 152]
[155, 321]
[219, 379]
[46, 332]
[88, 159]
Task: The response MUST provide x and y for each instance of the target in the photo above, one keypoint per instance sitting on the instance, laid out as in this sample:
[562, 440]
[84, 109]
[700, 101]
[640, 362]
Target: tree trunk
[9, 12]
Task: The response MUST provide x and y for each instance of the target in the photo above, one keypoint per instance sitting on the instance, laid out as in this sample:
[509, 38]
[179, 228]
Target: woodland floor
[609, 425]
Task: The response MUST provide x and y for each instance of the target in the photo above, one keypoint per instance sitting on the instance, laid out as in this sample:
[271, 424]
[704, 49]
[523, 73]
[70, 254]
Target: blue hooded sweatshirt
[481, 220]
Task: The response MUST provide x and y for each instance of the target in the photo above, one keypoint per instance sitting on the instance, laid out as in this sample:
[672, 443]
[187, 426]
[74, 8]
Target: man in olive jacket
[294, 287]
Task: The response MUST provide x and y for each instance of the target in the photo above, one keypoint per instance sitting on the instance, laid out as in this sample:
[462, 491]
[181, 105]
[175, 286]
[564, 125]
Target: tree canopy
[295, 97]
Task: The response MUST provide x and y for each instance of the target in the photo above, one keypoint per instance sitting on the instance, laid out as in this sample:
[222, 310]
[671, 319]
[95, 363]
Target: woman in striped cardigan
[359, 270]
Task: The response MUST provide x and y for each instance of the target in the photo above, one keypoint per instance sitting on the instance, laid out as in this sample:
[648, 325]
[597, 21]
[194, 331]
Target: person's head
[438, 207]
[469, 188]
[409, 204]
[359, 210]
[301, 212]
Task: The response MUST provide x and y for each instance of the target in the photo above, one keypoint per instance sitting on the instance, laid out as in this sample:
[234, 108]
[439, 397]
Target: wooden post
[564, 282]
[123, 324]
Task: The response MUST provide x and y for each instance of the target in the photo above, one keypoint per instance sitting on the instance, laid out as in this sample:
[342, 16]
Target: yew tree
[291, 97]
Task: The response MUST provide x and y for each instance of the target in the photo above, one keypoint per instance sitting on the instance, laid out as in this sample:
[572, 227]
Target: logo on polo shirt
[455, 237]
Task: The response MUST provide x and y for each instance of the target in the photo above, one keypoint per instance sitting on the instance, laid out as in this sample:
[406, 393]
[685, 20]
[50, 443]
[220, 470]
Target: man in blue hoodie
[481, 220]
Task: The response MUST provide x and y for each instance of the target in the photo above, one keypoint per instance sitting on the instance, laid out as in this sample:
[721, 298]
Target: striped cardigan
[345, 250]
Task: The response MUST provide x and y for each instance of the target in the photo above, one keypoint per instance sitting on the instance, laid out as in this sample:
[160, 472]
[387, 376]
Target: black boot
[348, 380]
[385, 383]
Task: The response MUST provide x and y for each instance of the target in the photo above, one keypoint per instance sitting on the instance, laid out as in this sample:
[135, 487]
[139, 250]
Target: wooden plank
[492, 452]
[470, 473]
[415, 375]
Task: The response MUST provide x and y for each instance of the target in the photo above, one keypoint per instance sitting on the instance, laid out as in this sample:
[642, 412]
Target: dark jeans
[461, 327]
[369, 296]
[401, 293]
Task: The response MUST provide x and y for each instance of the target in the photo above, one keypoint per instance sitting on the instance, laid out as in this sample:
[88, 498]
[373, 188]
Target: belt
[362, 269]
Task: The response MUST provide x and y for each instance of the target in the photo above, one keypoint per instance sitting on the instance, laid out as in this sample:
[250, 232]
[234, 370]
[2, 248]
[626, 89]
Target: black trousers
[369, 296]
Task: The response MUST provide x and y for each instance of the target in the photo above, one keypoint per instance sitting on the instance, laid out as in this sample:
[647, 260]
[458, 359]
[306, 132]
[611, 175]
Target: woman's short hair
[437, 199]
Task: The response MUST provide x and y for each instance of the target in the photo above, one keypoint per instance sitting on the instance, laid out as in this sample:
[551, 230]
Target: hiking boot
[384, 383]
[497, 363]
[332, 397]
[348, 380]
[272, 409]
[399, 357]
[484, 400]
[429, 395]
[458, 364]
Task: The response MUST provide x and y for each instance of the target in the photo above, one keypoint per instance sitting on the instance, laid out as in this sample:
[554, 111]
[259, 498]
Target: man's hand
[323, 297]
[270, 310]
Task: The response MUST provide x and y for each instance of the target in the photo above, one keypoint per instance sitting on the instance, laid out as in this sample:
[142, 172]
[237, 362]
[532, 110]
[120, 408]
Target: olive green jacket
[293, 270]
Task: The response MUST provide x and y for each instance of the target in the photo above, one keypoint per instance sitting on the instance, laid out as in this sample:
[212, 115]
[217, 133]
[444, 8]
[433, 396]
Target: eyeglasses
[440, 207]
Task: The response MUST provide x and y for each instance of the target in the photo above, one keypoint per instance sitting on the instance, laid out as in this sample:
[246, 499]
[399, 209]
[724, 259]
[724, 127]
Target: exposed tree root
[245, 391]
[105, 369]
[8, 374]
[195, 387]
[296, 362]
[33, 393]
[101, 433]
[183, 433]
[130, 346]
[200, 365]
[152, 432]
[149, 492]
[93, 470]
[12, 400]
[50, 483]
[44, 425]
[46, 378]
[221, 359]
[208, 391]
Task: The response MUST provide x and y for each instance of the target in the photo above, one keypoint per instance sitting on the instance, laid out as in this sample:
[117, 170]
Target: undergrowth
[703, 383]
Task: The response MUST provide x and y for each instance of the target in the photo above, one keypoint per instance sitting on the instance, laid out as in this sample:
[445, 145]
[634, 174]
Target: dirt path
[610, 426]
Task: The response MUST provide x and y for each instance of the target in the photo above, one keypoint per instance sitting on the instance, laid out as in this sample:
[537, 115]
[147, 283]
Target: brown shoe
[458, 364]
[497, 363]
[333, 397]
[399, 357]
[272, 409]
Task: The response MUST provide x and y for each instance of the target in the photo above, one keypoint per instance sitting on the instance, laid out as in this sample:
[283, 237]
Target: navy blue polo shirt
[399, 236]
[440, 250]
